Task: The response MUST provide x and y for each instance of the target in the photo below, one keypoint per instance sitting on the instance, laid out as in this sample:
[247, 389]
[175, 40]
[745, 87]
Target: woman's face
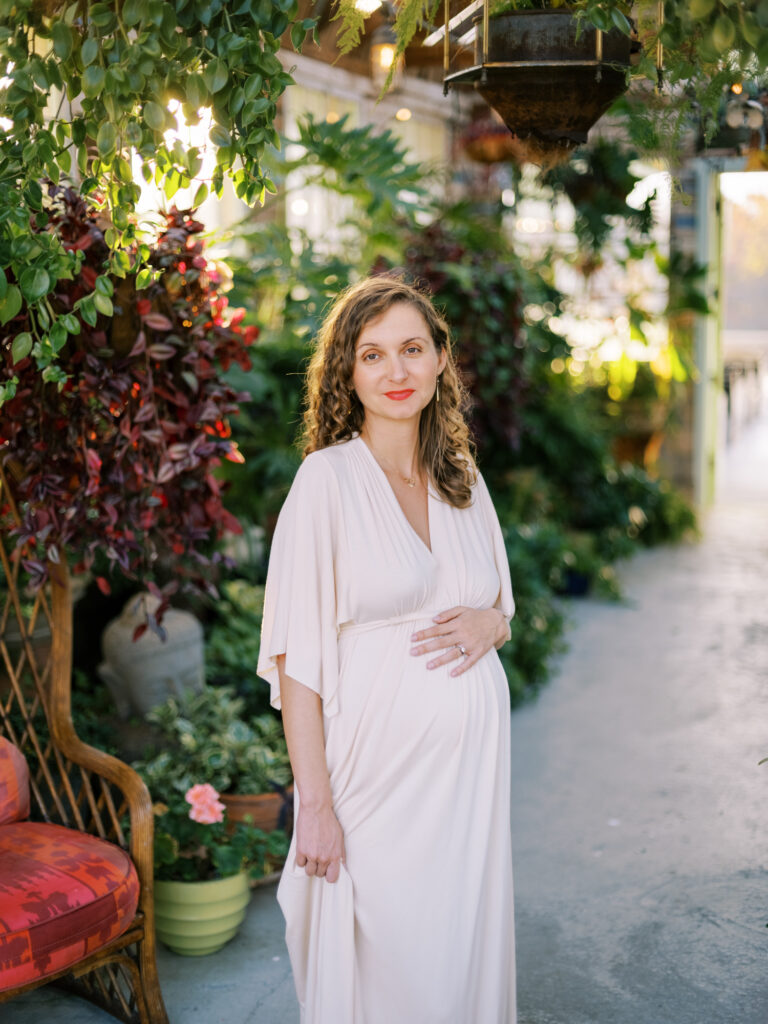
[396, 364]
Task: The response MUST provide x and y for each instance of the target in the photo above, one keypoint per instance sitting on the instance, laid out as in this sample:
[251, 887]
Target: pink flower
[207, 809]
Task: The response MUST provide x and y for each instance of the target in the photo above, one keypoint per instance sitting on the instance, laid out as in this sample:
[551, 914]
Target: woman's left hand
[463, 634]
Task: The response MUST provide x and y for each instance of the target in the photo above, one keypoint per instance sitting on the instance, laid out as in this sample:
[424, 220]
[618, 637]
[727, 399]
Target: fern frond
[352, 25]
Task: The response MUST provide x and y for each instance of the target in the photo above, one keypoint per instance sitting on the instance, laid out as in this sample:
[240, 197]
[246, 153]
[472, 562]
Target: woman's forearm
[304, 734]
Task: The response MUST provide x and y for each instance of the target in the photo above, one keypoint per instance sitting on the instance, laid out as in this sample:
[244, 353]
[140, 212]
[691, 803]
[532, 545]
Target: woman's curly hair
[334, 412]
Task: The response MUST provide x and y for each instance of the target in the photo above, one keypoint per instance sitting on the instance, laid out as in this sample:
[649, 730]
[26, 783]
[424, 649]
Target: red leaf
[140, 345]
[157, 322]
[83, 242]
[103, 586]
[160, 351]
[93, 462]
[143, 306]
[88, 276]
[146, 412]
[234, 454]
[165, 473]
[139, 632]
[229, 522]
[178, 451]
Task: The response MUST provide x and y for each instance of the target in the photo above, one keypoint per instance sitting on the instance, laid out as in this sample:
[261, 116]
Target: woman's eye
[369, 357]
[413, 348]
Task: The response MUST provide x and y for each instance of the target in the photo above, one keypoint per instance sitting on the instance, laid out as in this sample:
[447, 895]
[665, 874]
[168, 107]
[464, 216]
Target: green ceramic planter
[197, 918]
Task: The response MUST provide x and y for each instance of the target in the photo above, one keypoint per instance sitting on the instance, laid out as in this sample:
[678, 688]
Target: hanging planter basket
[548, 75]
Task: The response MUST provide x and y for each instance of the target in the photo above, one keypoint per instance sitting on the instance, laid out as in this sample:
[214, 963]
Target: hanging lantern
[549, 75]
[383, 54]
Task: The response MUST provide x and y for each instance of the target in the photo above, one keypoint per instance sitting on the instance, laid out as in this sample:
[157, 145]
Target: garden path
[638, 808]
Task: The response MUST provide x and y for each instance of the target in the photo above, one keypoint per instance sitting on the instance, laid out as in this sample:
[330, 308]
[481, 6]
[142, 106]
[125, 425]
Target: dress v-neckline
[395, 499]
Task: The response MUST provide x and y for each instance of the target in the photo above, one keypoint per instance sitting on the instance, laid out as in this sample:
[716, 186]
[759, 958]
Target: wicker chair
[73, 784]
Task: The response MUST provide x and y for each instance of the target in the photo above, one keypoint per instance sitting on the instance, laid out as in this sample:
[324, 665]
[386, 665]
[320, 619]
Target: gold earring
[437, 398]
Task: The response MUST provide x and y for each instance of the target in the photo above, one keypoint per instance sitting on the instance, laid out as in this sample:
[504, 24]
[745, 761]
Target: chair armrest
[107, 767]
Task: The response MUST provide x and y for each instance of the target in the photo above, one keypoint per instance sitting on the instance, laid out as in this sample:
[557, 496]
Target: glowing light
[508, 197]
[367, 6]
[656, 183]
[557, 365]
[403, 114]
[300, 207]
[332, 117]
[530, 225]
[737, 88]
[385, 56]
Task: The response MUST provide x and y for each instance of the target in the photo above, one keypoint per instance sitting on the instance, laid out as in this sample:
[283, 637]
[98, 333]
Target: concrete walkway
[639, 812]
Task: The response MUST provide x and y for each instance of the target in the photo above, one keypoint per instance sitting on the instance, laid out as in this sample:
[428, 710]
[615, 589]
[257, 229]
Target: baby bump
[398, 720]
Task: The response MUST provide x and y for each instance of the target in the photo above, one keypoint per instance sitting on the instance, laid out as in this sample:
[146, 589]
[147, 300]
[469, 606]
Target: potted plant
[202, 864]
[247, 761]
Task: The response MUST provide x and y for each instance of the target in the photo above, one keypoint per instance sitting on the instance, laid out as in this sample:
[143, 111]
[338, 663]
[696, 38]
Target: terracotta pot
[266, 811]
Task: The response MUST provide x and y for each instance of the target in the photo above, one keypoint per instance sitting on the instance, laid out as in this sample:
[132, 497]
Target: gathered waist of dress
[351, 628]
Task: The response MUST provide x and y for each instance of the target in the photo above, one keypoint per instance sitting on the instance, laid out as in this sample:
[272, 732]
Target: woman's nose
[397, 370]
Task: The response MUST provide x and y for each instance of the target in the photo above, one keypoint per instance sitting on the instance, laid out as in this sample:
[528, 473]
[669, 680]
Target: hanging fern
[410, 17]
[352, 25]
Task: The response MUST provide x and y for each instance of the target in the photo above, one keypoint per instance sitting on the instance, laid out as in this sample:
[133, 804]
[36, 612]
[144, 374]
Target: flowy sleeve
[505, 602]
[299, 618]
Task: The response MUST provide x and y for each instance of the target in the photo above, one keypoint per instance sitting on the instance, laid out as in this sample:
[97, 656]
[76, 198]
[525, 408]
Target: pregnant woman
[388, 595]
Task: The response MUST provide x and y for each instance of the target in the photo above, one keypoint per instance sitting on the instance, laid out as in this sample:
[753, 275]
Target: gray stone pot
[144, 673]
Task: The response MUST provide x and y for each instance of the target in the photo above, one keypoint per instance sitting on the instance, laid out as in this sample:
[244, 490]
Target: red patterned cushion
[14, 783]
[63, 894]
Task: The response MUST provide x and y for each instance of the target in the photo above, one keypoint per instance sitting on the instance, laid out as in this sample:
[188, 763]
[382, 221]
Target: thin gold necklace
[411, 481]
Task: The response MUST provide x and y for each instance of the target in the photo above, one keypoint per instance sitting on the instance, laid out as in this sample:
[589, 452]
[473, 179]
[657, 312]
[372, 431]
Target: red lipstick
[399, 396]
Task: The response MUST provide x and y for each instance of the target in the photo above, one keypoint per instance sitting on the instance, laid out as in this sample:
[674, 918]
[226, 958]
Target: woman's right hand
[319, 842]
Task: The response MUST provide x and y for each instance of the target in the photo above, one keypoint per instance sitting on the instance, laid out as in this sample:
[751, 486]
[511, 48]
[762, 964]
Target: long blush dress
[419, 927]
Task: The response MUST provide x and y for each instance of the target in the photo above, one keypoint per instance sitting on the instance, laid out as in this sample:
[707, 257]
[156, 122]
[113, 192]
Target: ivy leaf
[154, 115]
[21, 346]
[254, 108]
[621, 21]
[134, 11]
[88, 311]
[70, 323]
[93, 80]
[89, 51]
[63, 40]
[200, 196]
[58, 336]
[298, 35]
[104, 286]
[219, 136]
[253, 87]
[3, 284]
[10, 304]
[103, 304]
[196, 91]
[34, 283]
[106, 139]
[216, 75]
